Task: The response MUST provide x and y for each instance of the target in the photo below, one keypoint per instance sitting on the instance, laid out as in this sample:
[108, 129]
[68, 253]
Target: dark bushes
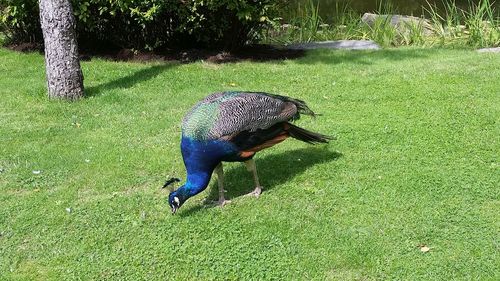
[148, 24]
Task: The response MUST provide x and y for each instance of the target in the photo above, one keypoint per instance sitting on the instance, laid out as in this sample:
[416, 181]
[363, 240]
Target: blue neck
[200, 158]
[197, 182]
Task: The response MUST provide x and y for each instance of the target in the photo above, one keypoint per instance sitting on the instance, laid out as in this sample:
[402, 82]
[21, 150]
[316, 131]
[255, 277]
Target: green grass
[416, 162]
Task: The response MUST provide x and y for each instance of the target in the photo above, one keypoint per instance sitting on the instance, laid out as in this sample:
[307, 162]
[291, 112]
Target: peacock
[233, 127]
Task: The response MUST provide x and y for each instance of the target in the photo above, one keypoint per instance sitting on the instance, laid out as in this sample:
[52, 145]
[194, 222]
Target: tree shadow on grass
[128, 81]
[363, 57]
[273, 171]
[267, 53]
[315, 57]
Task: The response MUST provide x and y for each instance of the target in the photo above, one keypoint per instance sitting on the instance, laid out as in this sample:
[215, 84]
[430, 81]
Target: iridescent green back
[226, 114]
[197, 125]
[202, 117]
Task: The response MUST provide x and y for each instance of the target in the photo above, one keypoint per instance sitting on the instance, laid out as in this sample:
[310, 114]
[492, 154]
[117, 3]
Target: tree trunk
[62, 65]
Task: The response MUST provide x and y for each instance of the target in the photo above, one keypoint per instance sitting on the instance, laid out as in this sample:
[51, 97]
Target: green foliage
[416, 162]
[151, 24]
[309, 22]
[19, 20]
[306, 25]
[476, 26]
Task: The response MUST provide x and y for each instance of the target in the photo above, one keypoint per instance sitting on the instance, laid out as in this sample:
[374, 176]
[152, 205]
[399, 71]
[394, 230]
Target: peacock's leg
[251, 168]
[220, 182]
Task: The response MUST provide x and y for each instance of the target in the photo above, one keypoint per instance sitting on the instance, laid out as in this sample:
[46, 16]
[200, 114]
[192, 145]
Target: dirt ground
[251, 52]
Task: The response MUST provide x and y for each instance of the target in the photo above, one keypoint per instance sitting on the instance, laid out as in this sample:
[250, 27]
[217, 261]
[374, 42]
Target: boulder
[402, 24]
[489, 50]
[340, 44]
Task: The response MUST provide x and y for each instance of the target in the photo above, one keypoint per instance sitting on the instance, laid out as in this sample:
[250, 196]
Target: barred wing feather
[224, 115]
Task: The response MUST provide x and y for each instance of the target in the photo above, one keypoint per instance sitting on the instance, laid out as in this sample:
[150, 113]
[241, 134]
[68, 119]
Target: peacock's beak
[174, 209]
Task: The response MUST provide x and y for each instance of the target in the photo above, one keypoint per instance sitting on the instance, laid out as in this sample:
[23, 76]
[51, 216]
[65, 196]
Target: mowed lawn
[409, 190]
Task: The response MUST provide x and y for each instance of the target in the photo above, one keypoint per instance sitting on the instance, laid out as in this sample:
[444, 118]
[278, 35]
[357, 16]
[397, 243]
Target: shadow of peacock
[233, 127]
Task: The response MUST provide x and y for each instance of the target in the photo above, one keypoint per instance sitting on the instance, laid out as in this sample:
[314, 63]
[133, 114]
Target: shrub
[19, 20]
[149, 24]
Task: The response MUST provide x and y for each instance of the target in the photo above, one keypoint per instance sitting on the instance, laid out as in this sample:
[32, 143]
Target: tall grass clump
[309, 22]
[476, 26]
[381, 31]
[346, 22]
[414, 35]
[307, 25]
[483, 25]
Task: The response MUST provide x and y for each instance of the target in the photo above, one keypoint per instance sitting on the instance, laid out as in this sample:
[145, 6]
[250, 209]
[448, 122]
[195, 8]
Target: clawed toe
[220, 202]
[256, 192]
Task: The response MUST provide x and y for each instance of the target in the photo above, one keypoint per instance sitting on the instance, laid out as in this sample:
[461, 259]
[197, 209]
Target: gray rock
[340, 44]
[402, 24]
[489, 50]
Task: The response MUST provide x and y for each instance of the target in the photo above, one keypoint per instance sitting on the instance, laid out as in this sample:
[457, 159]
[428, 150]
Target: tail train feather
[307, 136]
[301, 105]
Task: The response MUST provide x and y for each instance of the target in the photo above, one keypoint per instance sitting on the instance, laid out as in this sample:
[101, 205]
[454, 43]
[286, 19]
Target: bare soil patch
[251, 53]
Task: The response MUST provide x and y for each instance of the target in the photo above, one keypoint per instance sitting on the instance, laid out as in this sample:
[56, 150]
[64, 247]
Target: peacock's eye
[177, 201]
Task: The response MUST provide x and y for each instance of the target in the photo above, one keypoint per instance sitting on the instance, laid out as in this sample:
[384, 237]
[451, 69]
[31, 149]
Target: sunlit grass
[415, 163]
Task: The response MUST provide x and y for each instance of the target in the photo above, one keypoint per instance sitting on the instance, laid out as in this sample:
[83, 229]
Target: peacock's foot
[256, 192]
[221, 202]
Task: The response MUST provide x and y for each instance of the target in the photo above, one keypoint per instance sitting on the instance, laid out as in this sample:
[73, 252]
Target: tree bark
[62, 64]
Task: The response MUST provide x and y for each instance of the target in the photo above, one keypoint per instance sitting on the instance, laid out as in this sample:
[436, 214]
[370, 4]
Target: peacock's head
[175, 200]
